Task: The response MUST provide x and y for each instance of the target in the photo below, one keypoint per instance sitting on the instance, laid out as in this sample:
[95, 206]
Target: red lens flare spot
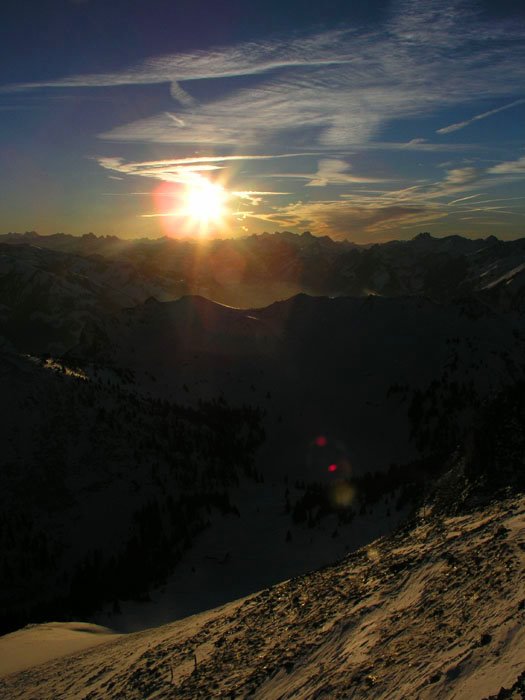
[321, 441]
[332, 468]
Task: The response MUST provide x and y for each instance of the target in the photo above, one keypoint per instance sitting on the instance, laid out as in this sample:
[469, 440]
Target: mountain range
[188, 423]
[255, 271]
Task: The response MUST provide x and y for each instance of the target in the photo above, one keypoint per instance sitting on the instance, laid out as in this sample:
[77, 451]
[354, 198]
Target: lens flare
[321, 441]
[196, 206]
[332, 468]
[343, 495]
[205, 202]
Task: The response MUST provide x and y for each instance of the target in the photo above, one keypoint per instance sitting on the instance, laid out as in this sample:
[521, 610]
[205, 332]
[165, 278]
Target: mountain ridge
[255, 271]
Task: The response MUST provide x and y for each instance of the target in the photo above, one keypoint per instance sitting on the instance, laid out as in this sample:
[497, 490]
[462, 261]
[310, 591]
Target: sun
[205, 203]
[193, 206]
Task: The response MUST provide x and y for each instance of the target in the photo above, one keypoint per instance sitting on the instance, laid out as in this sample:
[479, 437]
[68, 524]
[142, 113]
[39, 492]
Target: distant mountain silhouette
[257, 270]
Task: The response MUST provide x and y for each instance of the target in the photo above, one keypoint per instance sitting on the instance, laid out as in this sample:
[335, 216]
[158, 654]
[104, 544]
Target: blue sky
[367, 121]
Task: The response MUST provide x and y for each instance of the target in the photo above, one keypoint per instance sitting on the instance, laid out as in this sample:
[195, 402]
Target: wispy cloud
[376, 214]
[180, 169]
[168, 171]
[174, 118]
[484, 115]
[329, 172]
[336, 172]
[510, 167]
[348, 220]
[464, 199]
[167, 162]
[332, 89]
[255, 197]
[250, 58]
[461, 176]
[422, 145]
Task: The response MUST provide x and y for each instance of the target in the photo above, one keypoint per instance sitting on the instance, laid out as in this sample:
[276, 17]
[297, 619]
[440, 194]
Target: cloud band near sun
[310, 105]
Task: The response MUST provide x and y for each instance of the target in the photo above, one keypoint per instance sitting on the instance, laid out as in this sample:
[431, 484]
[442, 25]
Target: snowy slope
[435, 611]
[239, 554]
[36, 644]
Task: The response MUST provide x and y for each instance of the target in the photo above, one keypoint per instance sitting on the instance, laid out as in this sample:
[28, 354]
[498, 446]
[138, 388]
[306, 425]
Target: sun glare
[196, 207]
[205, 203]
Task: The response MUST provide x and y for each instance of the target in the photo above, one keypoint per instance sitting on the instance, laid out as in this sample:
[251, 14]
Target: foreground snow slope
[37, 644]
[435, 611]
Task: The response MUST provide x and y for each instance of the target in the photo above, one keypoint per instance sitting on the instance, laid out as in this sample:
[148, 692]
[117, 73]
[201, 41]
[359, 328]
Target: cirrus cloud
[329, 95]
[330, 89]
